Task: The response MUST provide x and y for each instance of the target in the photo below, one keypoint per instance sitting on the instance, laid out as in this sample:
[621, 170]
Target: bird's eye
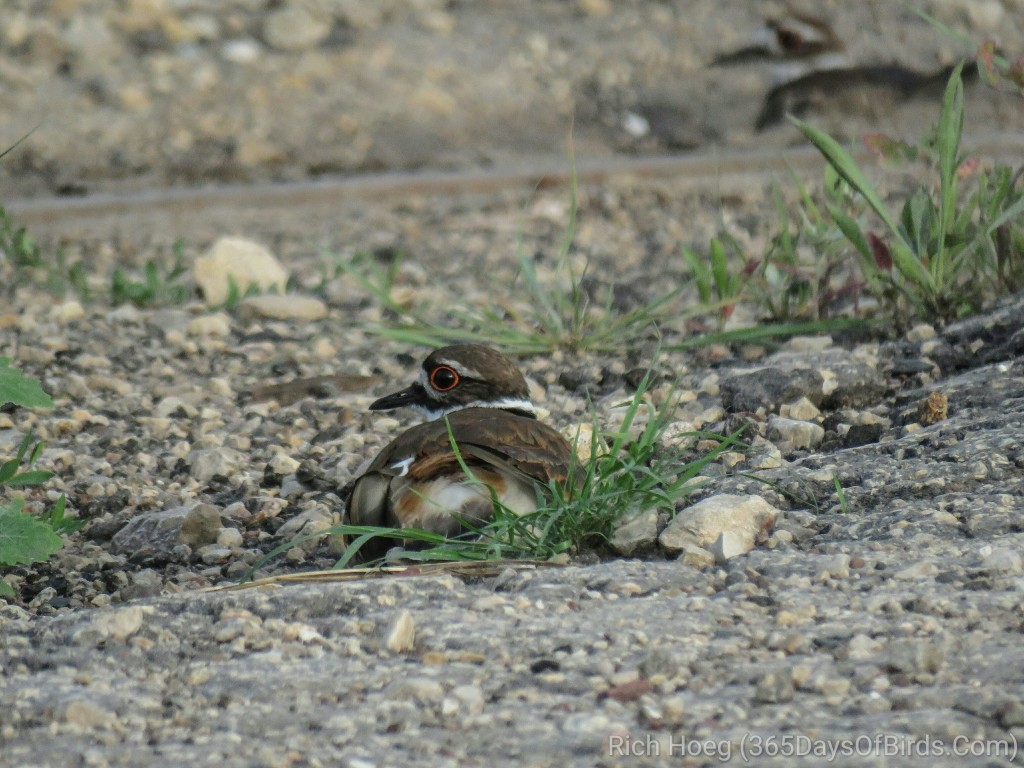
[443, 378]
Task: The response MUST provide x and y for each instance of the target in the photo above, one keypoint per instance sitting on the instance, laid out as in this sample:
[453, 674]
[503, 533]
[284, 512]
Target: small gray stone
[144, 583]
[201, 525]
[774, 688]
[852, 383]
[637, 535]
[296, 28]
[425, 690]
[87, 715]
[1004, 560]
[915, 656]
[283, 307]
[313, 520]
[206, 463]
[795, 434]
[659, 662]
[152, 531]
[1011, 715]
[469, 698]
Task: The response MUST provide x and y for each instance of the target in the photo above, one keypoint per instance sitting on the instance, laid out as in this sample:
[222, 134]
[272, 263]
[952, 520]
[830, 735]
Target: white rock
[921, 332]
[805, 344]
[802, 410]
[229, 537]
[638, 533]
[69, 312]
[730, 544]
[241, 51]
[986, 15]
[704, 523]
[283, 307]
[244, 262]
[400, 634]
[216, 324]
[120, 624]
[88, 715]
[295, 28]
[468, 699]
[795, 434]
[1004, 560]
[311, 521]
[207, 462]
[282, 464]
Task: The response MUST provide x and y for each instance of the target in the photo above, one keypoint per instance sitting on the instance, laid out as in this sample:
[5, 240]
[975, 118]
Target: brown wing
[485, 436]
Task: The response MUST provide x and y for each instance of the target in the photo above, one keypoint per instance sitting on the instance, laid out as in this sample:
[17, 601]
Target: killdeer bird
[417, 481]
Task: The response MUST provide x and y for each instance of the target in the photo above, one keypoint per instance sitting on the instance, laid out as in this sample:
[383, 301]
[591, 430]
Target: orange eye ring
[444, 378]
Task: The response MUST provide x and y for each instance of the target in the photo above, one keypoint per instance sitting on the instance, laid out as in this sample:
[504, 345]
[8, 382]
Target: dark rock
[862, 434]
[769, 388]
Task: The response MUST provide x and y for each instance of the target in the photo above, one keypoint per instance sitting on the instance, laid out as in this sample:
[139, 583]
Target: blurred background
[138, 94]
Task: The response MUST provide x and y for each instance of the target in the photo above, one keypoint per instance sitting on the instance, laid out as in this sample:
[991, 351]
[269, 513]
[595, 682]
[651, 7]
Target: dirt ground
[145, 94]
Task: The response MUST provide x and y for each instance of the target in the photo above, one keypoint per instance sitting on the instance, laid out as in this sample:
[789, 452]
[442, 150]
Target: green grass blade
[847, 168]
[950, 128]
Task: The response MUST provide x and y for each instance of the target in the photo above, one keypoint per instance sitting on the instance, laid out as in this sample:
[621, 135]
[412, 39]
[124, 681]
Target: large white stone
[727, 525]
[239, 260]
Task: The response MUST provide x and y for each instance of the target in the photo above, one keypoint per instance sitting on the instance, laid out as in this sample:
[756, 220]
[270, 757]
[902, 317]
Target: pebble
[207, 463]
[158, 530]
[637, 534]
[278, 307]
[914, 656]
[217, 324]
[310, 521]
[793, 434]
[802, 410]
[774, 687]
[423, 690]
[87, 715]
[1004, 560]
[69, 311]
[296, 28]
[920, 332]
[400, 637]
[242, 50]
[464, 699]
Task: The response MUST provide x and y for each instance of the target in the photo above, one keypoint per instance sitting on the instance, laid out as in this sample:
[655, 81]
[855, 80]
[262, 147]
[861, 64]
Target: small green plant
[154, 289]
[806, 270]
[25, 538]
[716, 282]
[948, 250]
[564, 313]
[17, 246]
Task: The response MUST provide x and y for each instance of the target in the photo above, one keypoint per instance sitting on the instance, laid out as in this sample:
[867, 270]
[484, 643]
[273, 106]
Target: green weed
[25, 538]
[948, 249]
[157, 287]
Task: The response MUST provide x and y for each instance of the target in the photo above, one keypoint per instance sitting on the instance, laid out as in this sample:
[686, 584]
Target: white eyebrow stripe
[403, 465]
[505, 403]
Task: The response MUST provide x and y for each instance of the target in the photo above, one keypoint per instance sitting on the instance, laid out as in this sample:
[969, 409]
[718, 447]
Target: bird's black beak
[408, 396]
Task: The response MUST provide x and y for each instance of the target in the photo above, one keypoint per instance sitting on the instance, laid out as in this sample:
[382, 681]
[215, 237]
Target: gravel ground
[882, 623]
